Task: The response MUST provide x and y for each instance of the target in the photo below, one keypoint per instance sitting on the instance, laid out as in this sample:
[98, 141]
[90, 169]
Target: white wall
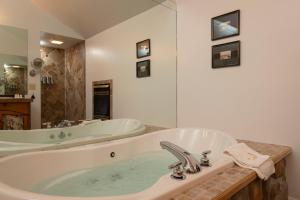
[23, 14]
[14, 41]
[112, 55]
[260, 100]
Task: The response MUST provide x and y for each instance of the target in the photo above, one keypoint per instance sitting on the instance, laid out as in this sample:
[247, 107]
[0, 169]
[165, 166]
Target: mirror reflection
[128, 71]
[13, 61]
[138, 57]
[62, 79]
[110, 78]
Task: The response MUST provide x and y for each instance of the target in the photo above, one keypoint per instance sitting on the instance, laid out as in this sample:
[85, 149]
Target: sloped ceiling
[89, 17]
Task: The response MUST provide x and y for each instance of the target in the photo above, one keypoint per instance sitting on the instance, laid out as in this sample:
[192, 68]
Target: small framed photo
[226, 25]
[143, 49]
[143, 69]
[226, 55]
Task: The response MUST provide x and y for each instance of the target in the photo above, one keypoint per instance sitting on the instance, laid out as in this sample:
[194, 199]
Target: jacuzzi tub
[16, 141]
[138, 171]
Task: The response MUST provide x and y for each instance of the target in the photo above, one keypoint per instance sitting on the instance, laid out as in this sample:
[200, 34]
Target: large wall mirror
[117, 62]
[139, 57]
[124, 68]
[13, 61]
[127, 69]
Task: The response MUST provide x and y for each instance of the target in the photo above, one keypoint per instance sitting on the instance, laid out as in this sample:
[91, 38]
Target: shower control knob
[205, 160]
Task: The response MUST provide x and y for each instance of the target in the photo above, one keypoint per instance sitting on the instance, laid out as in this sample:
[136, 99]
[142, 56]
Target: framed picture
[226, 25]
[226, 55]
[143, 49]
[143, 69]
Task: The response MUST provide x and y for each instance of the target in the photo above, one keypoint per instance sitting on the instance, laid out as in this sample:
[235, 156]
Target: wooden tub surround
[236, 183]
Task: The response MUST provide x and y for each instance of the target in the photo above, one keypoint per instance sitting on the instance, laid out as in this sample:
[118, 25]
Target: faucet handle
[204, 153]
[178, 171]
[204, 160]
[47, 124]
[175, 165]
[69, 123]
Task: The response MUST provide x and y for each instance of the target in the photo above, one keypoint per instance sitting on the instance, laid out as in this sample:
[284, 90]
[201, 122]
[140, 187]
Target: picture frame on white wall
[143, 69]
[226, 55]
[143, 48]
[224, 26]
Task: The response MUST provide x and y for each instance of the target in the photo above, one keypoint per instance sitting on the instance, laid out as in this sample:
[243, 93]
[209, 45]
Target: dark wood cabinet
[19, 108]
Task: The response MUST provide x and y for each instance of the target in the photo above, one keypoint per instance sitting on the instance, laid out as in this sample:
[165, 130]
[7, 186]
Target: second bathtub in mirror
[16, 141]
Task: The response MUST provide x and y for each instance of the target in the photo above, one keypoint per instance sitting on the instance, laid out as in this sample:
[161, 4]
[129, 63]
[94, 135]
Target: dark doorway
[102, 99]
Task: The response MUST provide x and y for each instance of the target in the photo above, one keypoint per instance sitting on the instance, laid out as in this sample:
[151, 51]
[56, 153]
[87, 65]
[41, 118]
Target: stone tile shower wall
[53, 96]
[75, 82]
[65, 99]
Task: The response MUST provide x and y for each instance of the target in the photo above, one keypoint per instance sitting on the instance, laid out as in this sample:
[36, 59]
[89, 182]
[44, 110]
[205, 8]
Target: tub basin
[128, 169]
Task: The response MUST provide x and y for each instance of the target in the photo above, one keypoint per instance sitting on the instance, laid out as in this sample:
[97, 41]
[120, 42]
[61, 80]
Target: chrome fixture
[36, 64]
[185, 158]
[47, 124]
[178, 171]
[64, 123]
[47, 80]
[204, 160]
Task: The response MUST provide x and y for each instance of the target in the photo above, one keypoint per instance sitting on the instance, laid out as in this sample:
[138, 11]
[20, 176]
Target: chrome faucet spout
[186, 158]
[177, 151]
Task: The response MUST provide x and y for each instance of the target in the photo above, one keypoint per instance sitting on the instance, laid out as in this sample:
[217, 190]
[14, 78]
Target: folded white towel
[246, 157]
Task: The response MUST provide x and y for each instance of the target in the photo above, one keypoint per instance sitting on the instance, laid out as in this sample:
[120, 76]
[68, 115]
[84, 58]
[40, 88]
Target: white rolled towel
[246, 157]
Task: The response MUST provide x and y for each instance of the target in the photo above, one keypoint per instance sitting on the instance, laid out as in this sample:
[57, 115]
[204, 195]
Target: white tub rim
[62, 128]
[17, 193]
[32, 147]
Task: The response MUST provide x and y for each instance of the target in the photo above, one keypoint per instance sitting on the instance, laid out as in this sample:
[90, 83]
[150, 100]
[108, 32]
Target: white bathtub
[21, 173]
[16, 141]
